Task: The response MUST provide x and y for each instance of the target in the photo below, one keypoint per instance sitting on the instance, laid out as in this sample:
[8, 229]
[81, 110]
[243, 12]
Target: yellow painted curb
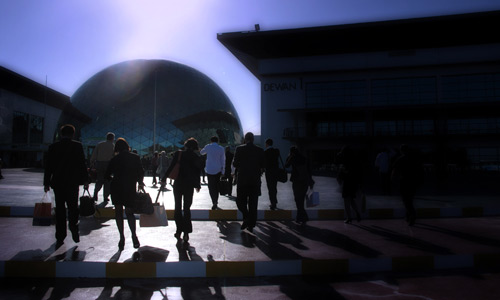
[468, 212]
[4, 211]
[277, 215]
[33, 269]
[170, 214]
[221, 214]
[131, 270]
[413, 263]
[381, 213]
[230, 269]
[487, 260]
[330, 214]
[325, 266]
[106, 212]
[428, 212]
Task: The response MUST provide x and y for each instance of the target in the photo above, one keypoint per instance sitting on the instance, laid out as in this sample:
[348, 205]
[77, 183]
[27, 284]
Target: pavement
[456, 229]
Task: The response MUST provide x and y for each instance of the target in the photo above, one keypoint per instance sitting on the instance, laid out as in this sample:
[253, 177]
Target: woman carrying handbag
[125, 171]
[186, 180]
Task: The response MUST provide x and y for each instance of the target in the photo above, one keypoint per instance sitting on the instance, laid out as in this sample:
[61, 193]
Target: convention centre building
[432, 83]
[154, 104]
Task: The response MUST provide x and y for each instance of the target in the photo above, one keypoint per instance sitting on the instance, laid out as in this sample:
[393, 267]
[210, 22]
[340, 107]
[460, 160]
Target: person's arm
[174, 162]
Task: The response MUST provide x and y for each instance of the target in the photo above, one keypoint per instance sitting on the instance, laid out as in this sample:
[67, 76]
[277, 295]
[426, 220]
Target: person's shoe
[244, 225]
[214, 207]
[75, 236]
[186, 237]
[135, 240]
[273, 207]
[348, 221]
[121, 244]
[358, 217]
[250, 229]
[177, 235]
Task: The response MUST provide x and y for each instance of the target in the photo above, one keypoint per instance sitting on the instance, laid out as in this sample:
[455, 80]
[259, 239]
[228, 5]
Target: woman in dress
[125, 171]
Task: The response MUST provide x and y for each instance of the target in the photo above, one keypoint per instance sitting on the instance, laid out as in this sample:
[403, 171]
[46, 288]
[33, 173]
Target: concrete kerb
[287, 215]
[210, 269]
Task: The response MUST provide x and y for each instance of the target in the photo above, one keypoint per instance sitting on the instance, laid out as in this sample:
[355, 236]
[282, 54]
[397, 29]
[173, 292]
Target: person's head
[214, 139]
[249, 137]
[121, 145]
[155, 154]
[269, 142]
[228, 149]
[294, 150]
[110, 136]
[191, 144]
[67, 131]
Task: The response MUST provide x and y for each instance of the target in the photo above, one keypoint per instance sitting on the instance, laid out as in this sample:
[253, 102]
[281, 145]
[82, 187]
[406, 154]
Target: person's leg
[73, 212]
[242, 203]
[272, 184]
[300, 190]
[347, 208]
[213, 188]
[253, 200]
[119, 225]
[188, 201]
[60, 194]
[178, 217]
[132, 225]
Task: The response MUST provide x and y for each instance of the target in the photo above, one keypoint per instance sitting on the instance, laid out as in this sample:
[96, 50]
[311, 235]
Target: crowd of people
[121, 173]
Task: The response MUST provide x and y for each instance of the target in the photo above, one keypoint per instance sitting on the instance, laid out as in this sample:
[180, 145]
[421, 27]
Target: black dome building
[154, 102]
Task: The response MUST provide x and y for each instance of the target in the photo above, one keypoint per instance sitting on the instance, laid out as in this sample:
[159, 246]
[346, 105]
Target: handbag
[312, 198]
[175, 170]
[157, 218]
[282, 173]
[87, 204]
[42, 215]
[142, 203]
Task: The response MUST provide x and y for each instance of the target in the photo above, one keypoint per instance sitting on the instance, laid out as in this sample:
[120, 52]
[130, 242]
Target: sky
[62, 43]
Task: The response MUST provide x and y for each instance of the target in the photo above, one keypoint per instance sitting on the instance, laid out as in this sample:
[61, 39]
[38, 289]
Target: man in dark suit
[65, 170]
[249, 163]
[271, 158]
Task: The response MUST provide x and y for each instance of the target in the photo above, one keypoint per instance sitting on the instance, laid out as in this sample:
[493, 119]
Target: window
[404, 127]
[20, 128]
[403, 91]
[336, 94]
[474, 126]
[340, 128]
[27, 129]
[470, 88]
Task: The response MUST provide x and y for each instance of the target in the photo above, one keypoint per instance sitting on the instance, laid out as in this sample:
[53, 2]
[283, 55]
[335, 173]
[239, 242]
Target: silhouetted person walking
[155, 162]
[301, 179]
[187, 181]
[125, 171]
[249, 163]
[65, 170]
[215, 164]
[228, 173]
[101, 156]
[350, 179]
[410, 172]
[271, 156]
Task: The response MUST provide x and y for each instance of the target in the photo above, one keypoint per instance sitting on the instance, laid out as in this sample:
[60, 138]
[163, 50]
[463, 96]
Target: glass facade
[404, 91]
[154, 102]
[27, 129]
[470, 88]
[336, 94]
[403, 127]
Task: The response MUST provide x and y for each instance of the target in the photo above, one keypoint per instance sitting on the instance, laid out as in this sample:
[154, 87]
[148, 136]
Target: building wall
[29, 153]
[405, 99]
